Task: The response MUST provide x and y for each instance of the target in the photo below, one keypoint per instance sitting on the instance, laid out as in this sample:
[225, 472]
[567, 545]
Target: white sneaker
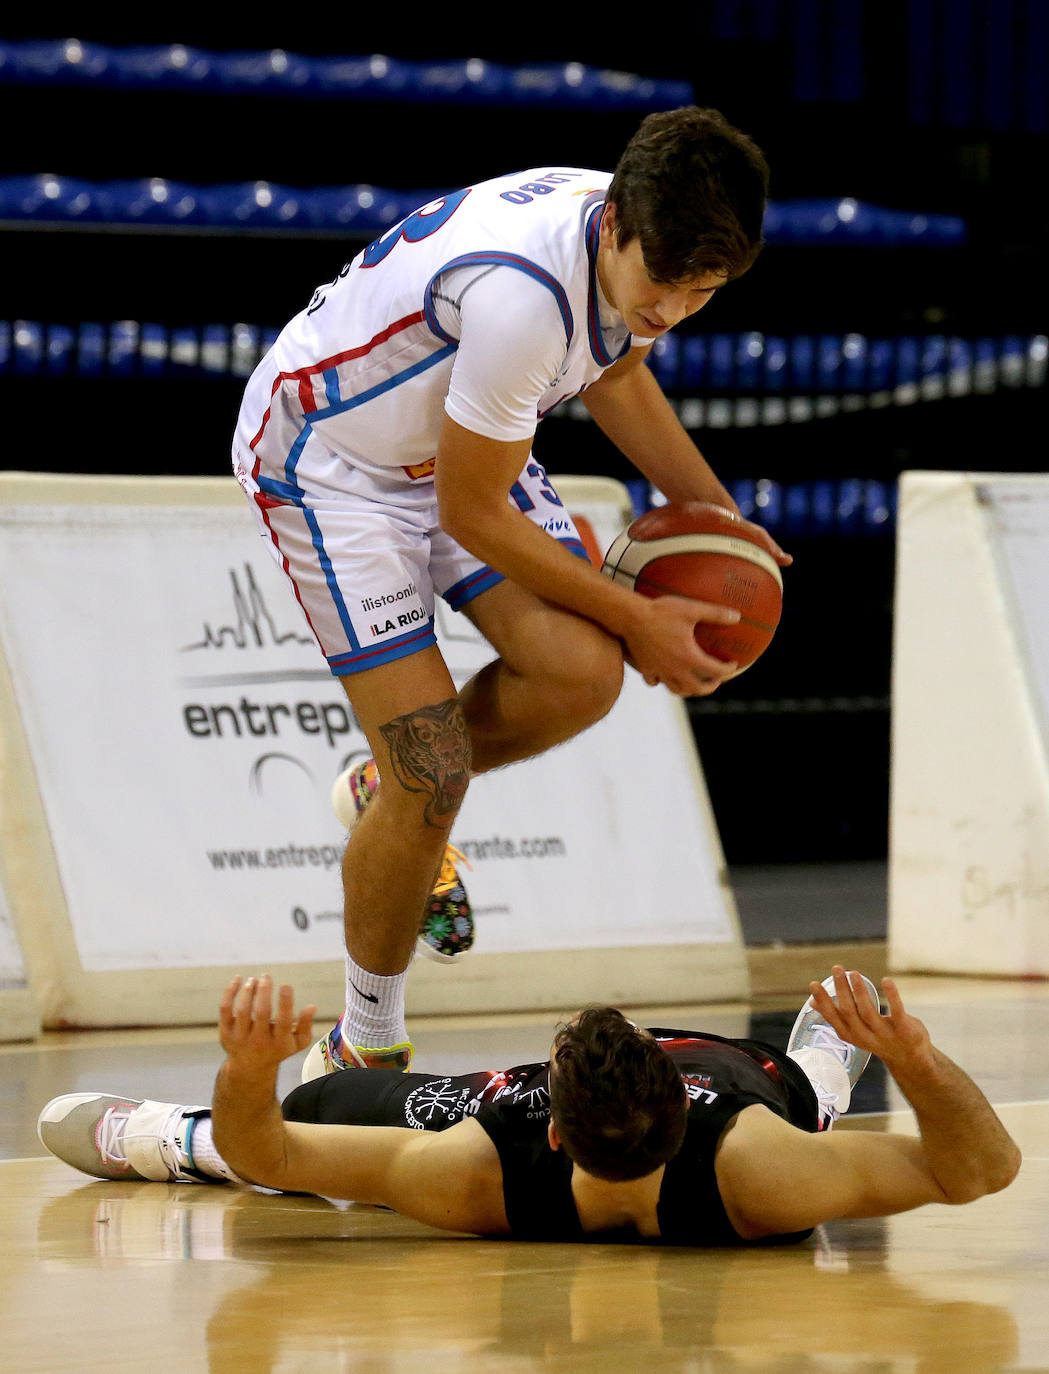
[121, 1137]
[831, 1064]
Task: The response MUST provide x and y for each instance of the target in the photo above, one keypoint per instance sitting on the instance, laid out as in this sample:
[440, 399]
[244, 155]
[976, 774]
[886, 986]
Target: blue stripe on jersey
[493, 259]
[295, 453]
[593, 318]
[358, 660]
[281, 491]
[340, 407]
[291, 490]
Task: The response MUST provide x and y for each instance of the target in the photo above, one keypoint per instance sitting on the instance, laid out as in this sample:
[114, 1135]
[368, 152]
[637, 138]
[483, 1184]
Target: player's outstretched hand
[893, 1037]
[255, 1033]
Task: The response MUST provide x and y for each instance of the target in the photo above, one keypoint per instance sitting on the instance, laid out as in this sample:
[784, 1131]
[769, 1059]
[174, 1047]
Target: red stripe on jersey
[265, 418]
[304, 375]
[306, 395]
[362, 350]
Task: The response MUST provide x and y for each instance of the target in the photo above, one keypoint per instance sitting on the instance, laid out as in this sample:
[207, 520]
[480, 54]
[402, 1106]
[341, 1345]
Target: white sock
[374, 1008]
[201, 1153]
[830, 1082]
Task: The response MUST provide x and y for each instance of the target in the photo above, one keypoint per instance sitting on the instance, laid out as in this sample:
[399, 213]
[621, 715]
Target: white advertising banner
[184, 733]
[969, 851]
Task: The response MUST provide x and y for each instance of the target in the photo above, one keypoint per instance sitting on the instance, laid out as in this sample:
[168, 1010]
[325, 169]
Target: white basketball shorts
[365, 554]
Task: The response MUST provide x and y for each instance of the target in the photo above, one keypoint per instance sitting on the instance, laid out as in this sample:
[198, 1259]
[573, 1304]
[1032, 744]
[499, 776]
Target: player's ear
[552, 1136]
[609, 224]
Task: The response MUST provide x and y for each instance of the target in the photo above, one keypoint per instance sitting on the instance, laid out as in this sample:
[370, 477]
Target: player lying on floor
[628, 1133]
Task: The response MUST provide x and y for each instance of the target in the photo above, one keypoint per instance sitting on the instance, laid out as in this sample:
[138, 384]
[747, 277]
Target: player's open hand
[894, 1037]
[663, 648]
[256, 1033]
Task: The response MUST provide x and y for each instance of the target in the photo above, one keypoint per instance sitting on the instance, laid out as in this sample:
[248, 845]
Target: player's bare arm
[473, 478]
[256, 1036]
[775, 1178]
[629, 405]
[968, 1150]
[452, 1180]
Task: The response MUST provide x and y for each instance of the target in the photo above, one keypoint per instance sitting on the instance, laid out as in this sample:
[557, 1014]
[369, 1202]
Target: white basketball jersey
[367, 367]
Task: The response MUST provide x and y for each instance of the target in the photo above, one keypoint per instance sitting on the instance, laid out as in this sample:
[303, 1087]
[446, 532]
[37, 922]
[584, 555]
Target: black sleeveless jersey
[721, 1077]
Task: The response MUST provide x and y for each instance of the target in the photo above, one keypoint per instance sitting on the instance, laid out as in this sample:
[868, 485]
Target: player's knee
[589, 674]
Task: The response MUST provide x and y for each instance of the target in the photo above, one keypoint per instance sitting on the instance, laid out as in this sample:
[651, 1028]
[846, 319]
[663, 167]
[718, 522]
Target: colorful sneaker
[448, 926]
[332, 1054]
[831, 1064]
[121, 1137]
[447, 929]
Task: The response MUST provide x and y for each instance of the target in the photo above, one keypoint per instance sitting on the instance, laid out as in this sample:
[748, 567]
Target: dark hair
[693, 189]
[616, 1098]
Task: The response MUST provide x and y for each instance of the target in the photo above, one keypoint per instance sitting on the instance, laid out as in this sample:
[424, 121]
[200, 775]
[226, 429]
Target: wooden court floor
[108, 1276]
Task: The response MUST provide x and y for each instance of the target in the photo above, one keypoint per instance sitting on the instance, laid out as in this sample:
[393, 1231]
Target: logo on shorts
[535, 1100]
[372, 603]
[394, 622]
[435, 1104]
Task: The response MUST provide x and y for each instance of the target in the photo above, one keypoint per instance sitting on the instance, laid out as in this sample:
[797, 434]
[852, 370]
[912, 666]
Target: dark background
[929, 106]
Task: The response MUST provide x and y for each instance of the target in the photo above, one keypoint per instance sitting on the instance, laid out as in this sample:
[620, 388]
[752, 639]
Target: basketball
[700, 550]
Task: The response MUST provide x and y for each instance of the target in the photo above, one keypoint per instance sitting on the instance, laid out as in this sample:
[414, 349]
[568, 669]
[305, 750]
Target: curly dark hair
[693, 189]
[616, 1098]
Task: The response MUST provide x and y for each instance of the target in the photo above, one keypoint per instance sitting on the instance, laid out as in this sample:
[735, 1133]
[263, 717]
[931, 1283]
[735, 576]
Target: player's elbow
[469, 515]
[1007, 1170]
[991, 1177]
[461, 523]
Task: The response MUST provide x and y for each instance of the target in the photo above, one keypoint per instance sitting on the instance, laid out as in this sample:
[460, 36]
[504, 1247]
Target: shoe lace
[449, 877]
[110, 1135]
[825, 1037]
[828, 1103]
[169, 1145]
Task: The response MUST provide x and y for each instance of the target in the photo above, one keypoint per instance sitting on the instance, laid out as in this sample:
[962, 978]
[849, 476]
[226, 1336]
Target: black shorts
[384, 1097]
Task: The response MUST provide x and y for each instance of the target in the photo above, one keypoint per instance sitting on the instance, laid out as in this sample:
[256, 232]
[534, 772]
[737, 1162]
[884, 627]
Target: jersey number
[418, 226]
[521, 498]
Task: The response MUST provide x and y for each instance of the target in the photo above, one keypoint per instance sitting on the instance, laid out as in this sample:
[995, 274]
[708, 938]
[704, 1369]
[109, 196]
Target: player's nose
[671, 309]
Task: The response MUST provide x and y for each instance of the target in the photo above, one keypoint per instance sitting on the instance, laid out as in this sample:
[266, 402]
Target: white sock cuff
[374, 1007]
[378, 985]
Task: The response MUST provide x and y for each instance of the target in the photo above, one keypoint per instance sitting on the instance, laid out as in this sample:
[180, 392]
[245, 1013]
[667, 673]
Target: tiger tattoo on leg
[430, 752]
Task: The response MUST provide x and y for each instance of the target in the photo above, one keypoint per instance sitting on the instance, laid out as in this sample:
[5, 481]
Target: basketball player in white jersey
[385, 444]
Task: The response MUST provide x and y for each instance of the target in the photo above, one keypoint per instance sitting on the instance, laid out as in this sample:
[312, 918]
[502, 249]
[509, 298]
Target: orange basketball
[699, 550]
